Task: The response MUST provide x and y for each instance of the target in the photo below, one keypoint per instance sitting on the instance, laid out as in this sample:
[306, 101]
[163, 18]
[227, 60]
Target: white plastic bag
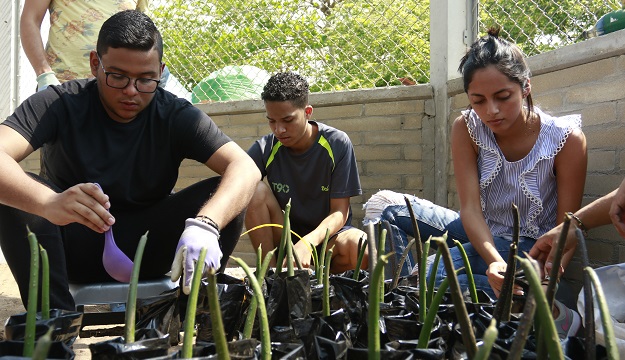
[612, 278]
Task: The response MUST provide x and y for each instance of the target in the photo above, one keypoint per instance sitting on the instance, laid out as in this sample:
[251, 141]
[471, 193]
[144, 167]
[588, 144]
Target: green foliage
[546, 24]
[336, 45]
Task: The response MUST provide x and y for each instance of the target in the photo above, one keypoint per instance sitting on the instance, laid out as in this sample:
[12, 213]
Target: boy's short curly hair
[286, 86]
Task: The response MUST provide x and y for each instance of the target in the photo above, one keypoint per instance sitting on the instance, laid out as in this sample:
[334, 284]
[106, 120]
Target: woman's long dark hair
[504, 55]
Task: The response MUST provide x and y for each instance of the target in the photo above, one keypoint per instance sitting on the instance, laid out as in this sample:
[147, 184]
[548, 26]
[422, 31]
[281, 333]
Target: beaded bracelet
[205, 219]
[580, 224]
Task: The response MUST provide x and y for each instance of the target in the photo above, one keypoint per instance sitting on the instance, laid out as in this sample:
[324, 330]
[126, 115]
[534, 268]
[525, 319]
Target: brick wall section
[393, 130]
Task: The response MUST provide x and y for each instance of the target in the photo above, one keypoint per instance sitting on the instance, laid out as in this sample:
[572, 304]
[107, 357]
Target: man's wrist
[207, 220]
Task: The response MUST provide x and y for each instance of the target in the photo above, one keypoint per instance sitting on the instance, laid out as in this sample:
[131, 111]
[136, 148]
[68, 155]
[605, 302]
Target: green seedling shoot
[469, 272]
[400, 265]
[283, 239]
[31, 311]
[589, 306]
[43, 345]
[524, 328]
[550, 293]
[490, 335]
[189, 323]
[432, 279]
[264, 321]
[544, 317]
[371, 244]
[289, 243]
[131, 302]
[606, 319]
[381, 250]
[259, 259]
[468, 336]
[428, 321]
[45, 284]
[417, 234]
[326, 283]
[319, 270]
[260, 277]
[504, 303]
[219, 336]
[362, 246]
[377, 279]
[423, 288]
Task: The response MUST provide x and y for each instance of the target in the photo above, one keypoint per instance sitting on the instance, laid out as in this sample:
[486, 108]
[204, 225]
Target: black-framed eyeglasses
[120, 81]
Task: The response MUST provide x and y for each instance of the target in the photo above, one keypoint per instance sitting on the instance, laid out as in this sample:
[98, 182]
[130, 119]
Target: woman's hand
[495, 274]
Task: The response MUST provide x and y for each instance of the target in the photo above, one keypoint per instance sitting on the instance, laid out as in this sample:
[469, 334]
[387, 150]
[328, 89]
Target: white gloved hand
[46, 79]
[196, 235]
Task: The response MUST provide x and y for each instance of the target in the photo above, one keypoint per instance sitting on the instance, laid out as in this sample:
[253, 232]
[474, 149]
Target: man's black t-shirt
[136, 163]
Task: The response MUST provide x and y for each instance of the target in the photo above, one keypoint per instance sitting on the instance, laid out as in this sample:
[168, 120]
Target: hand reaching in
[196, 235]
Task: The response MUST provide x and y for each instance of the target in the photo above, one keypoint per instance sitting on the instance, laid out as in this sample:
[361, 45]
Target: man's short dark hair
[286, 86]
[130, 29]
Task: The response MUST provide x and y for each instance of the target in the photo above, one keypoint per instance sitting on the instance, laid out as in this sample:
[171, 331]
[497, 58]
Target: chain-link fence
[538, 26]
[336, 44]
[225, 49]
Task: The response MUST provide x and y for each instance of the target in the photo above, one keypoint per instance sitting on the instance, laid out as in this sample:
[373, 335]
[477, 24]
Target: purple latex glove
[196, 235]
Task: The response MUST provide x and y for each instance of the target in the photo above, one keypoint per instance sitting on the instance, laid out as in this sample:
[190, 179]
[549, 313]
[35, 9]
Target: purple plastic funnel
[115, 262]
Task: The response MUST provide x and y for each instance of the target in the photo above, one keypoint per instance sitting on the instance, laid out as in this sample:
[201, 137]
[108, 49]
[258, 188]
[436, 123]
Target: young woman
[505, 151]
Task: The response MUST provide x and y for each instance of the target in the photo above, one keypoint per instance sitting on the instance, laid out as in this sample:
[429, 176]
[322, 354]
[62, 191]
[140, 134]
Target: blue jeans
[434, 220]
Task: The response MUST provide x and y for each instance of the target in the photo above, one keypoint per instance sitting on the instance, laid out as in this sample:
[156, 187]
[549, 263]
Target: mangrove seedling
[468, 336]
[428, 321]
[490, 335]
[589, 306]
[550, 293]
[417, 233]
[362, 246]
[371, 244]
[131, 302]
[524, 328]
[326, 283]
[283, 239]
[381, 250]
[251, 312]
[469, 272]
[431, 281]
[544, 317]
[189, 322]
[377, 279]
[423, 287]
[319, 270]
[31, 313]
[265, 340]
[400, 265]
[606, 319]
[43, 345]
[504, 302]
[219, 336]
[45, 284]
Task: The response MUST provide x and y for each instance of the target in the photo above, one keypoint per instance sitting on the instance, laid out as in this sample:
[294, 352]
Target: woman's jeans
[434, 220]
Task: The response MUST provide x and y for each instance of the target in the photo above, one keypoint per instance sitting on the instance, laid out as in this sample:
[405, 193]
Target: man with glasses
[111, 148]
